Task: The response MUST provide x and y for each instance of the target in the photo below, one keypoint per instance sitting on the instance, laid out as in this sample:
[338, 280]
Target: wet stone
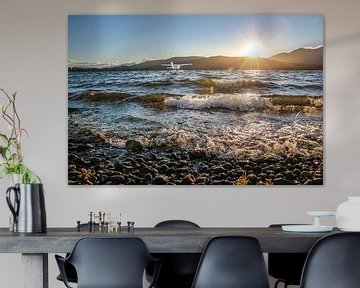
[160, 179]
[315, 181]
[189, 179]
[252, 179]
[133, 145]
[282, 181]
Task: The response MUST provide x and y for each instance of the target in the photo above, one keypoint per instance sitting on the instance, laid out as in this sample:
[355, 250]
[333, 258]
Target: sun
[253, 48]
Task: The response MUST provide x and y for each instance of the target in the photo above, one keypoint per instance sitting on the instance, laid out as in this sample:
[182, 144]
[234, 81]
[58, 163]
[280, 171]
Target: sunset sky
[126, 39]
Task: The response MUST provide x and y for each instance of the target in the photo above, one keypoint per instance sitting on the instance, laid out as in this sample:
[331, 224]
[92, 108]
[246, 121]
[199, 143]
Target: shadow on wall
[343, 39]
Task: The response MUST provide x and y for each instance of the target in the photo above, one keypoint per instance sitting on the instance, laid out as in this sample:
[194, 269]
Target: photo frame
[195, 100]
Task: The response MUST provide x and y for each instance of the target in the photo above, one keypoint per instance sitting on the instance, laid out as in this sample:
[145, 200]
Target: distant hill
[302, 55]
[299, 59]
[233, 63]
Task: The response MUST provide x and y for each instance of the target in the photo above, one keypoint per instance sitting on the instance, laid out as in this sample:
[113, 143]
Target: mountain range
[299, 59]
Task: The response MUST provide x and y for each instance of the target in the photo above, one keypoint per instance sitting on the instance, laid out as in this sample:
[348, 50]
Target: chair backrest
[333, 262]
[232, 262]
[286, 266]
[176, 224]
[110, 262]
[177, 268]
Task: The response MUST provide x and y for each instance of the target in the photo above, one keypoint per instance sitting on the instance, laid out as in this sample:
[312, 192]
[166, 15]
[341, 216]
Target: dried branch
[11, 155]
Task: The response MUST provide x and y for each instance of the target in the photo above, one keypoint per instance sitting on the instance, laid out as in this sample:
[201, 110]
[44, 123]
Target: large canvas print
[195, 99]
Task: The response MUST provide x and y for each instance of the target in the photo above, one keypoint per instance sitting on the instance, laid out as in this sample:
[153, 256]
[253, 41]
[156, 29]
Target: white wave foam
[236, 102]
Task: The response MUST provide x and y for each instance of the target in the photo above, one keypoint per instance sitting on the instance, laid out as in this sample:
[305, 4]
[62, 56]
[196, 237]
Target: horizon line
[96, 64]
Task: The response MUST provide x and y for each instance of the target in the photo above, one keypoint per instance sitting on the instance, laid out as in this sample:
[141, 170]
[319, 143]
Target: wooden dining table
[35, 247]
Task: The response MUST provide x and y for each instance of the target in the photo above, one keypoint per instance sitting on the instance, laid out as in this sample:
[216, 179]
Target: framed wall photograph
[195, 99]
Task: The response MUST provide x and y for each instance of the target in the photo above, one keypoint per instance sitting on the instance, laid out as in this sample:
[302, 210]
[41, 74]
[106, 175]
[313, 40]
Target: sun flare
[253, 48]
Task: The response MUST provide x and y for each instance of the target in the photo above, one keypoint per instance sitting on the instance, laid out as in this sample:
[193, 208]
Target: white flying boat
[173, 66]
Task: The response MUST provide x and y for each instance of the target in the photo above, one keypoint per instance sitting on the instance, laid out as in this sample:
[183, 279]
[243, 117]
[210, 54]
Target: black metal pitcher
[28, 208]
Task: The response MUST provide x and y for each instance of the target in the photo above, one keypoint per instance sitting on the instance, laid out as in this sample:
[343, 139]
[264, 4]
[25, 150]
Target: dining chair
[178, 269]
[286, 267]
[333, 262]
[70, 271]
[232, 262]
[108, 263]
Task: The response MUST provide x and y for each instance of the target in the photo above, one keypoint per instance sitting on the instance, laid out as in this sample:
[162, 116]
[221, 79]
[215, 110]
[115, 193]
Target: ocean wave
[290, 140]
[242, 102]
[245, 102]
[251, 138]
[288, 103]
[95, 96]
[224, 101]
[230, 86]
[316, 87]
[155, 99]
[209, 85]
[155, 83]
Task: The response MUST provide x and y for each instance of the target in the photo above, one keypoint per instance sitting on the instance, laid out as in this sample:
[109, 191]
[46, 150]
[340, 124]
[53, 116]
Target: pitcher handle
[13, 208]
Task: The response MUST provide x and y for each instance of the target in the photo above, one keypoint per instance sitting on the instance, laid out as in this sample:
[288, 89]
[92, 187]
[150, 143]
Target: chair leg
[278, 282]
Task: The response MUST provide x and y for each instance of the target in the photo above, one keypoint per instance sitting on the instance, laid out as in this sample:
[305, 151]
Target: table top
[158, 240]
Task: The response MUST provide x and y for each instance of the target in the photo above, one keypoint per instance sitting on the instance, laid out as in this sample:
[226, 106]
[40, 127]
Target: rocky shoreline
[93, 161]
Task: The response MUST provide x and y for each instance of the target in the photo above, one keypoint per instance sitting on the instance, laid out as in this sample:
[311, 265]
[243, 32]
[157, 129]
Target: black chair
[232, 262]
[286, 267]
[69, 269]
[176, 224]
[108, 263]
[178, 269]
[333, 262]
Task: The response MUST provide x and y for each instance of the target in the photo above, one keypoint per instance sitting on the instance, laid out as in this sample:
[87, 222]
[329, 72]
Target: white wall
[33, 62]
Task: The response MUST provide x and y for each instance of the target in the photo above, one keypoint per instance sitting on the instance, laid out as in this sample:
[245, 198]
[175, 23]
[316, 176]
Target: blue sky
[128, 38]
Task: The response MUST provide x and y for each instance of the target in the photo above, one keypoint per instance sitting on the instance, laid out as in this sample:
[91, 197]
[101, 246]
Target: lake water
[248, 114]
